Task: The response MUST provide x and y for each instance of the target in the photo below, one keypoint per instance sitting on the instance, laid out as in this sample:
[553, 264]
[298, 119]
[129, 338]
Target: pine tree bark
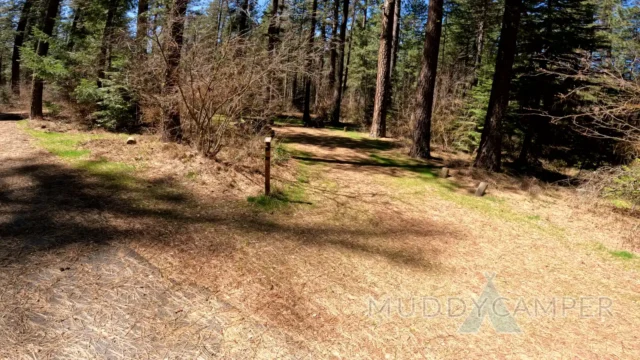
[172, 130]
[17, 44]
[105, 46]
[73, 32]
[383, 80]
[479, 48]
[351, 33]
[243, 21]
[306, 116]
[337, 87]
[489, 153]
[421, 118]
[273, 30]
[142, 24]
[333, 46]
[43, 49]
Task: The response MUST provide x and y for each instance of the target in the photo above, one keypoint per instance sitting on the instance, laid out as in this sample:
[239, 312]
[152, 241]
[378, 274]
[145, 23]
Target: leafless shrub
[226, 90]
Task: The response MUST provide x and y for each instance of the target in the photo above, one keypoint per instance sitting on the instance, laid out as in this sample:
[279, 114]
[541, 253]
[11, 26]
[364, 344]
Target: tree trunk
[107, 34]
[43, 49]
[172, 130]
[421, 118]
[1, 69]
[395, 37]
[17, 44]
[337, 88]
[477, 61]
[489, 152]
[273, 30]
[142, 24]
[333, 47]
[383, 82]
[243, 21]
[351, 33]
[306, 117]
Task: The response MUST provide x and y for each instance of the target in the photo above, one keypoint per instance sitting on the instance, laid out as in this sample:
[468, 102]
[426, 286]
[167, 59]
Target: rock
[131, 141]
[482, 188]
[444, 172]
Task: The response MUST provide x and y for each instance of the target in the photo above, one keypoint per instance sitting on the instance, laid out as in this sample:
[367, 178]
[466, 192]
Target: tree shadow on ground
[333, 141]
[45, 206]
[12, 116]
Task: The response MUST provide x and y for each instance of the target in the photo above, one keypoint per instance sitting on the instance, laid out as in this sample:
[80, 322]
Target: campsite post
[267, 166]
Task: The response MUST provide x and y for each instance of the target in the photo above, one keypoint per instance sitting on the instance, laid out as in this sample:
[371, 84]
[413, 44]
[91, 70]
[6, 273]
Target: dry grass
[296, 282]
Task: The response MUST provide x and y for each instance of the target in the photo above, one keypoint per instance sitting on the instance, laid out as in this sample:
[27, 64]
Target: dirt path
[72, 285]
[108, 266]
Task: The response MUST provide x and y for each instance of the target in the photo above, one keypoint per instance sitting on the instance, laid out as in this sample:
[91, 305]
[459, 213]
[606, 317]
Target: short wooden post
[482, 188]
[267, 166]
[444, 172]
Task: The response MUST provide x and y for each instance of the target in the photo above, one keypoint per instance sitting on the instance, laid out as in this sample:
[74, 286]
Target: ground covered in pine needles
[150, 251]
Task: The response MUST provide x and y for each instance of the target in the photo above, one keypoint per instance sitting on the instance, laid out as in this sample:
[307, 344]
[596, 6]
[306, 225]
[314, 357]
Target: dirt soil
[97, 269]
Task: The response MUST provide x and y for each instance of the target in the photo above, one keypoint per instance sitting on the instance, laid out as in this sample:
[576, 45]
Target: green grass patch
[191, 175]
[621, 204]
[278, 199]
[68, 146]
[287, 120]
[626, 255]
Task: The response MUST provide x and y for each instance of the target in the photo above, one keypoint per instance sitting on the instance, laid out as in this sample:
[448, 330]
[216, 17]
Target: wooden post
[444, 172]
[267, 166]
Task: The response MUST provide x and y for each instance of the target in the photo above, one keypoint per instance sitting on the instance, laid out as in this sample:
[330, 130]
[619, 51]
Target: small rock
[482, 188]
[131, 140]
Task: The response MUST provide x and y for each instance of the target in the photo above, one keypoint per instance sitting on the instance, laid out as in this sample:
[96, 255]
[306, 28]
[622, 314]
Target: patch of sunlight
[279, 199]
[487, 205]
[64, 145]
[289, 193]
[286, 120]
[625, 256]
[621, 204]
[425, 171]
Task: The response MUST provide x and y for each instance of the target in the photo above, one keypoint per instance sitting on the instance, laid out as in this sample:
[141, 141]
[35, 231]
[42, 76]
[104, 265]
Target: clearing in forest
[149, 251]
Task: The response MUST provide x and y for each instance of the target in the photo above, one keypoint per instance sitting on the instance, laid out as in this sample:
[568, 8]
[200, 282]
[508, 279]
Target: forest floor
[147, 251]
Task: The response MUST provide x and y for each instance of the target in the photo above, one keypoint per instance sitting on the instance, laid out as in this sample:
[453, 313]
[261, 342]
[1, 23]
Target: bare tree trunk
[1, 69]
[489, 153]
[142, 24]
[306, 117]
[333, 46]
[395, 36]
[219, 22]
[337, 91]
[273, 30]
[172, 130]
[243, 22]
[17, 44]
[477, 61]
[378, 125]
[73, 32]
[351, 32]
[105, 47]
[421, 118]
[43, 49]
[320, 85]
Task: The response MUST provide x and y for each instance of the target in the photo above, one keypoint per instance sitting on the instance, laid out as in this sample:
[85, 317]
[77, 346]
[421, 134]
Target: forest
[527, 82]
[319, 179]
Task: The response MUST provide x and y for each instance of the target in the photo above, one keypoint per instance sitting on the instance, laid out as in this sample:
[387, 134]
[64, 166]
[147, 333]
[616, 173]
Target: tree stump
[482, 188]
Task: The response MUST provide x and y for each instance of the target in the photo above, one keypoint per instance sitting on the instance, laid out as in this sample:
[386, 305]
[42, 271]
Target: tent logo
[490, 304]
